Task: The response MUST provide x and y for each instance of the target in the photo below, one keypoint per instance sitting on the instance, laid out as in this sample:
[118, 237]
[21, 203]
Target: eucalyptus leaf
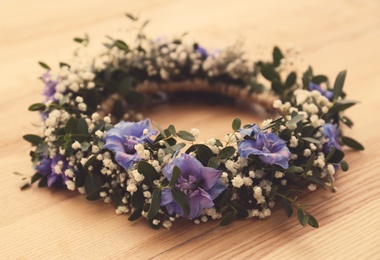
[309, 163]
[214, 162]
[37, 107]
[287, 206]
[82, 127]
[172, 130]
[236, 124]
[294, 120]
[338, 84]
[344, 166]
[136, 214]
[155, 204]
[226, 152]
[303, 217]
[149, 172]
[352, 143]
[342, 105]
[175, 176]
[319, 79]
[121, 45]
[44, 65]
[71, 126]
[291, 79]
[312, 222]
[311, 140]
[92, 184]
[226, 198]
[181, 200]
[185, 135]
[33, 139]
[228, 218]
[295, 169]
[277, 56]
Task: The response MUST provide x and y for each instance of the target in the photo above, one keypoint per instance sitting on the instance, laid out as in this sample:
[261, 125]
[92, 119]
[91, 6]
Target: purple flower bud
[326, 93]
[332, 137]
[269, 147]
[124, 136]
[200, 184]
[50, 87]
[54, 169]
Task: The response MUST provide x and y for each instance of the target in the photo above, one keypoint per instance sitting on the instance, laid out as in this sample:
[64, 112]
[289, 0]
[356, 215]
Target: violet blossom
[50, 87]
[332, 137]
[325, 92]
[269, 147]
[200, 184]
[122, 140]
[54, 169]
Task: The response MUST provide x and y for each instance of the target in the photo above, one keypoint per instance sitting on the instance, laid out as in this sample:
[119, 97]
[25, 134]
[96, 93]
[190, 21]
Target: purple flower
[122, 140]
[54, 169]
[202, 51]
[326, 93]
[332, 137]
[270, 148]
[200, 184]
[50, 87]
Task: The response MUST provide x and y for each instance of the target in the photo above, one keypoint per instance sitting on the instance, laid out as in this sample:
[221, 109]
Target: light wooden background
[50, 224]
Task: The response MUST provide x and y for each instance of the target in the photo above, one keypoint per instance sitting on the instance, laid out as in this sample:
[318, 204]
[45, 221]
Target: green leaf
[311, 140]
[121, 45]
[319, 79]
[155, 204]
[71, 126]
[159, 128]
[132, 17]
[309, 163]
[291, 79]
[270, 74]
[337, 157]
[352, 143]
[236, 124]
[226, 152]
[303, 217]
[62, 64]
[185, 135]
[44, 65]
[82, 127]
[175, 175]
[344, 166]
[92, 185]
[228, 218]
[149, 172]
[37, 107]
[312, 222]
[43, 182]
[277, 56]
[338, 84]
[172, 130]
[294, 120]
[138, 198]
[226, 198]
[204, 154]
[125, 86]
[342, 105]
[181, 200]
[85, 146]
[287, 206]
[37, 176]
[33, 139]
[136, 214]
[214, 162]
[295, 169]
[306, 77]
[330, 154]
[241, 210]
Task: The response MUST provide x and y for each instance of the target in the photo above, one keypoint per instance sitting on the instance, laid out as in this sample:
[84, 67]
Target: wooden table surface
[51, 224]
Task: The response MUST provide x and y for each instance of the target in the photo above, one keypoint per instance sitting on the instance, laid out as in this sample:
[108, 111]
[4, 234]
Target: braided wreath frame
[166, 174]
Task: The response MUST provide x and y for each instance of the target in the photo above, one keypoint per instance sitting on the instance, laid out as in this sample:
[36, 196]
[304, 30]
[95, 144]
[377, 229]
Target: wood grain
[51, 224]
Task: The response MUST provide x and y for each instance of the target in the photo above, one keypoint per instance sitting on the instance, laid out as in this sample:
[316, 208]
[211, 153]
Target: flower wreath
[150, 173]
